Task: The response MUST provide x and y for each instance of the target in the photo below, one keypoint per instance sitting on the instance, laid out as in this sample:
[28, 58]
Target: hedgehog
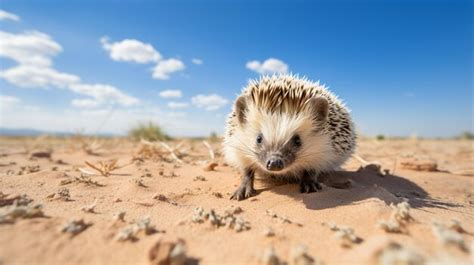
[287, 128]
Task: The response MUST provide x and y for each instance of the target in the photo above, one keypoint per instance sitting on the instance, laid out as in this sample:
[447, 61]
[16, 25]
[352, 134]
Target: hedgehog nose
[275, 164]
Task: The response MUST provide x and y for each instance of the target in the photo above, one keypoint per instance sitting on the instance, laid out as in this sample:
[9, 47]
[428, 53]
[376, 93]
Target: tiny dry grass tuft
[150, 132]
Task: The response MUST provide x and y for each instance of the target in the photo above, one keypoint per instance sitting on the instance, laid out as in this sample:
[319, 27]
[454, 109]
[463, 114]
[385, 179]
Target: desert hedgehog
[288, 128]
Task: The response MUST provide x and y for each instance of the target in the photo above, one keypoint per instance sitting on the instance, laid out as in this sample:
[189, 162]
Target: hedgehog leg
[309, 183]
[245, 189]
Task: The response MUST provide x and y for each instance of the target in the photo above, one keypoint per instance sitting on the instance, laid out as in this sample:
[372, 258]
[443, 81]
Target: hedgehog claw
[309, 186]
[243, 192]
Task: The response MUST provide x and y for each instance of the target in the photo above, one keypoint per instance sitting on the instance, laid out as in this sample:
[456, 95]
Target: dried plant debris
[233, 210]
[91, 148]
[62, 193]
[75, 227]
[139, 182]
[210, 167]
[268, 231]
[131, 231]
[391, 226]
[345, 234]
[170, 175]
[65, 182]
[282, 219]
[171, 152]
[449, 237]
[120, 216]
[228, 220]
[87, 180]
[399, 218]
[168, 253]
[212, 155]
[146, 175]
[28, 169]
[6, 199]
[269, 257]
[420, 164]
[299, 256]
[455, 225]
[199, 178]
[218, 195]
[20, 210]
[163, 198]
[105, 168]
[401, 212]
[41, 154]
[90, 208]
[395, 254]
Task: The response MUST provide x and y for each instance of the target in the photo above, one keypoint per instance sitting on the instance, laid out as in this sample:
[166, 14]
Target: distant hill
[34, 132]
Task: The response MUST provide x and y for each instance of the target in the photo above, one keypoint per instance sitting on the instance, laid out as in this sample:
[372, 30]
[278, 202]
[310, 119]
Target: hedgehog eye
[296, 140]
[259, 139]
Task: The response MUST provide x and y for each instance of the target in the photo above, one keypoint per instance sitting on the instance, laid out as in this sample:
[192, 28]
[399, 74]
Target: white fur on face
[277, 130]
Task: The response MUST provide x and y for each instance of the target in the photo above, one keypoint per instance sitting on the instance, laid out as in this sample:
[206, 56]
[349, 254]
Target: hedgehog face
[275, 156]
[279, 142]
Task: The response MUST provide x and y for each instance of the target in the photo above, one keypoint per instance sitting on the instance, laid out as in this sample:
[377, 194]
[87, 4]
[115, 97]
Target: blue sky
[402, 67]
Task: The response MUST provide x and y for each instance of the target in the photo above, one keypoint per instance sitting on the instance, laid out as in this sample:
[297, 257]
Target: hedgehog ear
[241, 108]
[320, 107]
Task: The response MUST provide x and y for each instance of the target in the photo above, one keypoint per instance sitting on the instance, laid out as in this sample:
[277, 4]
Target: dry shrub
[149, 132]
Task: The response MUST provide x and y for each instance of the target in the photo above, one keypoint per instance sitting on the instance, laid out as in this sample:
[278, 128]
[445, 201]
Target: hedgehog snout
[275, 163]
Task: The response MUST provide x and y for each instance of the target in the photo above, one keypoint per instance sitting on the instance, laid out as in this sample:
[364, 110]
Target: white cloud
[269, 66]
[8, 101]
[85, 103]
[178, 105]
[33, 52]
[101, 94]
[197, 61]
[37, 76]
[171, 93]
[209, 102]
[4, 15]
[131, 50]
[31, 48]
[166, 67]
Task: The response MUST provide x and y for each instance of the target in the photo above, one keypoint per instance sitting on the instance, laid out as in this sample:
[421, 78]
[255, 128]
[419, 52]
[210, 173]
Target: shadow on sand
[352, 187]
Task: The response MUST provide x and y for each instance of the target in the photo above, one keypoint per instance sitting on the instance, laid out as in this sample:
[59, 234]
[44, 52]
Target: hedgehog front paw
[309, 185]
[243, 192]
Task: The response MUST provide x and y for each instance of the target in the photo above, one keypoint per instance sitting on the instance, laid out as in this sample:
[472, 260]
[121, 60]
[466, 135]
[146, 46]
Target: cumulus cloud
[131, 50]
[209, 102]
[197, 61]
[33, 51]
[171, 93]
[166, 67]
[101, 94]
[177, 105]
[36, 76]
[269, 66]
[4, 15]
[31, 48]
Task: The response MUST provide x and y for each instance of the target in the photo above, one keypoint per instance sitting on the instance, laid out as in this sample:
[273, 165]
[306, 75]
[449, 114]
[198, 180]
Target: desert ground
[81, 200]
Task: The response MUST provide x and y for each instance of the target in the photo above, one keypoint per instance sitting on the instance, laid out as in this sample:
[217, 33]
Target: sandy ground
[156, 186]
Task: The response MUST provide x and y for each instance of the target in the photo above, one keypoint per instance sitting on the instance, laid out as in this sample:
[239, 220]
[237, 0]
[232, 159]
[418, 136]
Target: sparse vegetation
[213, 137]
[380, 137]
[466, 135]
[149, 132]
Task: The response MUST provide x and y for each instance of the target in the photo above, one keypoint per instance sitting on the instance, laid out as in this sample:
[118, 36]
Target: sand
[166, 191]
